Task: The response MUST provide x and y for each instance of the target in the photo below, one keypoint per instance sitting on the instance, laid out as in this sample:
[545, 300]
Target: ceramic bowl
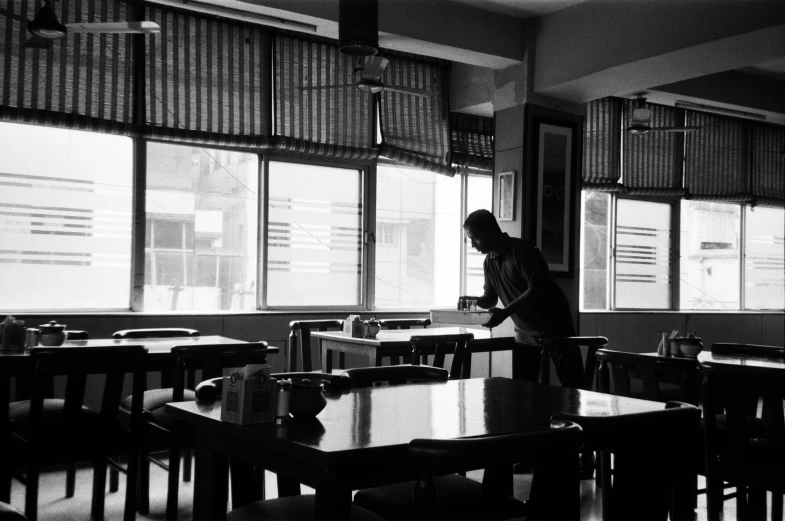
[690, 350]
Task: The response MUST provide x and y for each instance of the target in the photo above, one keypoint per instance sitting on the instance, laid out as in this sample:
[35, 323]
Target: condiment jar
[52, 334]
[372, 328]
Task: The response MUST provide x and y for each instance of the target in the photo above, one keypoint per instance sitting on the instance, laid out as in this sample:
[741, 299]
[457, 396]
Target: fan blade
[373, 67]
[675, 129]
[145, 27]
[321, 87]
[410, 90]
[38, 42]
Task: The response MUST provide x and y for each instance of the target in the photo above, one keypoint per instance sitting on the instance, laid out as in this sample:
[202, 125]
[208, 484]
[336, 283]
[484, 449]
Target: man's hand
[497, 317]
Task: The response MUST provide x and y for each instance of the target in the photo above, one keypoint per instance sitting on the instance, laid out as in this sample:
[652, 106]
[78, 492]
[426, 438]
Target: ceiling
[723, 53]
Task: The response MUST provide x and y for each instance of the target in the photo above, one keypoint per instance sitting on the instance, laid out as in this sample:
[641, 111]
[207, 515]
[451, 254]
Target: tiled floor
[54, 506]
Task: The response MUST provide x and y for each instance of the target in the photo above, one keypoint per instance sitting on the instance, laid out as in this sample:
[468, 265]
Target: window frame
[675, 253]
[368, 172]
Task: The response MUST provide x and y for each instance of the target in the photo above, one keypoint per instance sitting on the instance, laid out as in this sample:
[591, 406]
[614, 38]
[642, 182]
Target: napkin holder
[354, 327]
[248, 395]
[12, 334]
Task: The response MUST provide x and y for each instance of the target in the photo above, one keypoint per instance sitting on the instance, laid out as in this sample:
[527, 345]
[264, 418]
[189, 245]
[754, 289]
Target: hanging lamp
[358, 27]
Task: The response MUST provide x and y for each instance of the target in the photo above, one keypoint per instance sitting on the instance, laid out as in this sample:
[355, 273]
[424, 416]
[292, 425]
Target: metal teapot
[52, 334]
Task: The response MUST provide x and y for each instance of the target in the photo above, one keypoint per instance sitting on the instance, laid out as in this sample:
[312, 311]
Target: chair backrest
[484, 345]
[652, 371]
[551, 344]
[394, 375]
[654, 455]
[76, 334]
[156, 332]
[300, 340]
[404, 323]
[76, 364]
[212, 359]
[748, 350]
[554, 494]
[737, 390]
[440, 346]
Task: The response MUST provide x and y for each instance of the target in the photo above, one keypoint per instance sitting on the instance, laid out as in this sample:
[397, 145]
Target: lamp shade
[45, 23]
[358, 27]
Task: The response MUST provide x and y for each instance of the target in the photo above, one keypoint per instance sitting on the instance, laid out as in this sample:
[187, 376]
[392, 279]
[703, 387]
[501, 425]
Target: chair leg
[5, 483]
[143, 492]
[70, 480]
[99, 489]
[776, 506]
[187, 465]
[114, 479]
[174, 481]
[132, 482]
[31, 493]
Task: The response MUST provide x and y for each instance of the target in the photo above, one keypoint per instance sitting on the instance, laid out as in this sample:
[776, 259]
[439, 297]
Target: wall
[640, 332]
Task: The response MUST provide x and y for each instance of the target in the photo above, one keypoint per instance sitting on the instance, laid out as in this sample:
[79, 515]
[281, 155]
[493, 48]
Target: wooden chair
[156, 332]
[300, 342]
[162, 433]
[394, 375]
[742, 453]
[765, 351]
[555, 492]
[47, 431]
[654, 470]
[554, 345]
[484, 345]
[651, 371]
[403, 323]
[441, 346]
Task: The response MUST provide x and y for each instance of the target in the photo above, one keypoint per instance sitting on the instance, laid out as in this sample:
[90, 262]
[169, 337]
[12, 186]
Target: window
[201, 233]
[315, 235]
[731, 256]
[764, 260]
[422, 269]
[479, 194]
[642, 270]
[595, 250]
[710, 255]
[65, 224]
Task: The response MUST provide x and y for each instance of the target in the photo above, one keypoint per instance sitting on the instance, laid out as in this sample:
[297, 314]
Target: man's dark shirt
[509, 274]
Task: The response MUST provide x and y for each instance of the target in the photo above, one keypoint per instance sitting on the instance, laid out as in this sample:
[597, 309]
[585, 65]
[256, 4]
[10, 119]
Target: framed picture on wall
[506, 197]
[554, 143]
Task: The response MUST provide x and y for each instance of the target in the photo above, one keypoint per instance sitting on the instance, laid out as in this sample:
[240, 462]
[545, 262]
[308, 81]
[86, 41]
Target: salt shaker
[283, 397]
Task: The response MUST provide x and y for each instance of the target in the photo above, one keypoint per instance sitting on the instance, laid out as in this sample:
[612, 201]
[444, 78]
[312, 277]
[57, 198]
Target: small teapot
[372, 328]
[306, 400]
[52, 334]
[690, 345]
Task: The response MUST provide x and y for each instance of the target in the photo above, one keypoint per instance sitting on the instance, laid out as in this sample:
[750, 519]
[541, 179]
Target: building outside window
[65, 223]
[201, 235]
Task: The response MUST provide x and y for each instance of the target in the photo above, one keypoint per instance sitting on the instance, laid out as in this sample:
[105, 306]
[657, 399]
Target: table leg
[341, 360]
[210, 482]
[243, 483]
[327, 358]
[333, 500]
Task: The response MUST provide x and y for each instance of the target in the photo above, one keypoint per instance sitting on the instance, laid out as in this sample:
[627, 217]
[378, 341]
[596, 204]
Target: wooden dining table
[361, 437]
[396, 343]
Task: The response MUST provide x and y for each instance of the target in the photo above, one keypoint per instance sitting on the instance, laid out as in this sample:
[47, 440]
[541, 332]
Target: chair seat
[85, 436]
[156, 399]
[460, 498]
[293, 508]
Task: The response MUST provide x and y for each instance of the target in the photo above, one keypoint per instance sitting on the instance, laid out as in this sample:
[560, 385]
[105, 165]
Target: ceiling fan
[641, 118]
[370, 80]
[45, 28]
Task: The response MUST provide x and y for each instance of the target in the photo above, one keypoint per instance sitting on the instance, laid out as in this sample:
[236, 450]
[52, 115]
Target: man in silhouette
[516, 273]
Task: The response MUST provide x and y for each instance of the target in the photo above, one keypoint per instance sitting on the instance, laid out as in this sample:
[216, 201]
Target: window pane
[594, 250]
[764, 263]
[201, 219]
[480, 195]
[65, 225]
[422, 269]
[710, 269]
[643, 231]
[314, 241]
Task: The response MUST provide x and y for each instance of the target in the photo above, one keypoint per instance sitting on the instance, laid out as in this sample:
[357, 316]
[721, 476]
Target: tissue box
[248, 396]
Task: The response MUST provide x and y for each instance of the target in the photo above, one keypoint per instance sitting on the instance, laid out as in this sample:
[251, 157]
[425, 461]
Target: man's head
[483, 231]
